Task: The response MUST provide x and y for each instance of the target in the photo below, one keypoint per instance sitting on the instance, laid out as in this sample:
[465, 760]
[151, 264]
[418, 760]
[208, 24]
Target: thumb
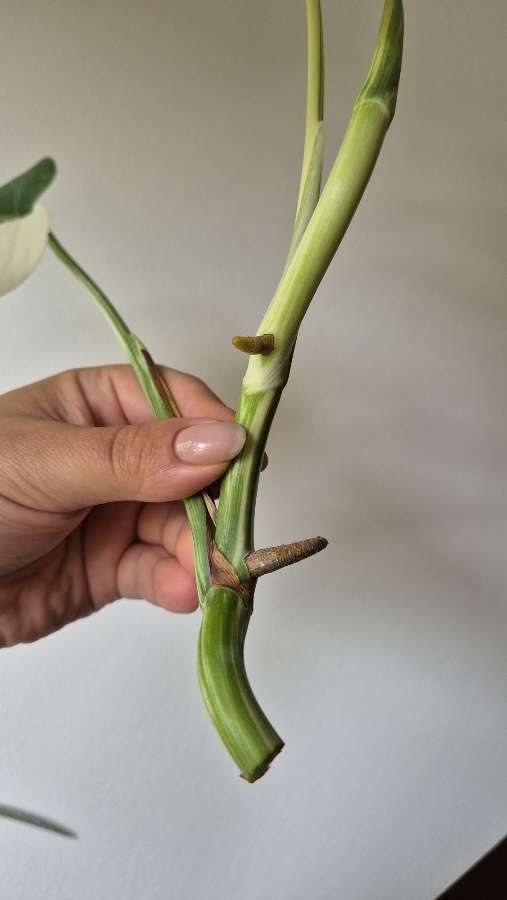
[76, 466]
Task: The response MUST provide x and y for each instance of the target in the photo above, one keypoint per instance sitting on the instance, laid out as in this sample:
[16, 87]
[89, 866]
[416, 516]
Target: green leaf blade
[18, 196]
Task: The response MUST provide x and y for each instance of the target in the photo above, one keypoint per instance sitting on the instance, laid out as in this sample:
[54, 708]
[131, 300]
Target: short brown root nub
[258, 344]
[260, 562]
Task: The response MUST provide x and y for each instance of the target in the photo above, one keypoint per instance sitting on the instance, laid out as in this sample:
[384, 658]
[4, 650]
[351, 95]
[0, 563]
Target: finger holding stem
[161, 402]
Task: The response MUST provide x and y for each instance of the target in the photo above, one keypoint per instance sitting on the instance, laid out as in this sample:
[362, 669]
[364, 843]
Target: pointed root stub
[258, 344]
[269, 559]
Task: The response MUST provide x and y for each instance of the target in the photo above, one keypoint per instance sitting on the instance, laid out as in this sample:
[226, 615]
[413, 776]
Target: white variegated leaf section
[22, 243]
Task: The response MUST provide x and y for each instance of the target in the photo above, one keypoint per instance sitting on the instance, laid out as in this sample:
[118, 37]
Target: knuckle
[193, 384]
[131, 455]
[199, 383]
[67, 401]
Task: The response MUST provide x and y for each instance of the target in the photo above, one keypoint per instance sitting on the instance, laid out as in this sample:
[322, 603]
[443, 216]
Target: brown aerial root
[269, 559]
[258, 344]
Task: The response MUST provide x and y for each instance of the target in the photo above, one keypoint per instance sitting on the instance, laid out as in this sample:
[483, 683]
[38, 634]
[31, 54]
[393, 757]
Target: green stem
[257, 408]
[371, 117]
[313, 153]
[246, 732]
[115, 320]
[234, 535]
[320, 224]
[314, 87]
[28, 818]
[238, 718]
[319, 227]
[158, 400]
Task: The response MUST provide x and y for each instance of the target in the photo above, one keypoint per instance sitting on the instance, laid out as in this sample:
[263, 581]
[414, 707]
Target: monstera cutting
[227, 566]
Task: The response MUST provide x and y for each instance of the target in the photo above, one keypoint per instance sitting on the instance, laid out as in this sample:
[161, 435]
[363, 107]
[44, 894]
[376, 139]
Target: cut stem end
[254, 776]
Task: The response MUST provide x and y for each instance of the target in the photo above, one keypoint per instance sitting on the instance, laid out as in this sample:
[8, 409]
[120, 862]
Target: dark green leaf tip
[18, 196]
[29, 818]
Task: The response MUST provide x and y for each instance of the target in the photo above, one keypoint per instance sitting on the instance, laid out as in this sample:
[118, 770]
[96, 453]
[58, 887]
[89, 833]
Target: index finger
[115, 397]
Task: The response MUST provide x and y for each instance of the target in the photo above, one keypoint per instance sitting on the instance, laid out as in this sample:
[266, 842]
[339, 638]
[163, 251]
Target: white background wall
[178, 132]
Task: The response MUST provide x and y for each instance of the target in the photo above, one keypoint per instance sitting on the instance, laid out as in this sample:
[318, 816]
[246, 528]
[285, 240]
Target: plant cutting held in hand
[226, 564]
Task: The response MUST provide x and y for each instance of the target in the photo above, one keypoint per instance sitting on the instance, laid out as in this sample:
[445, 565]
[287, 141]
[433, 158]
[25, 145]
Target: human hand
[91, 492]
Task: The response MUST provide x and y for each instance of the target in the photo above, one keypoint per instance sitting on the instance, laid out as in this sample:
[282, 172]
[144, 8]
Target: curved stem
[118, 324]
[246, 732]
[319, 227]
[243, 727]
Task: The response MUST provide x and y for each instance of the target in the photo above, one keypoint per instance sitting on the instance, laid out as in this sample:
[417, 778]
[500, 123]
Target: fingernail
[209, 442]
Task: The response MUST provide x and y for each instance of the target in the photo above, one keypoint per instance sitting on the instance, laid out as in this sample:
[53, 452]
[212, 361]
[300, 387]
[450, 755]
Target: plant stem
[235, 525]
[28, 818]
[319, 227]
[314, 87]
[226, 590]
[257, 408]
[371, 117]
[158, 397]
[246, 732]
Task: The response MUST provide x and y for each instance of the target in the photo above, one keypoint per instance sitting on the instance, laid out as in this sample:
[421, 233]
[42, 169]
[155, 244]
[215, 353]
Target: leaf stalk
[159, 397]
